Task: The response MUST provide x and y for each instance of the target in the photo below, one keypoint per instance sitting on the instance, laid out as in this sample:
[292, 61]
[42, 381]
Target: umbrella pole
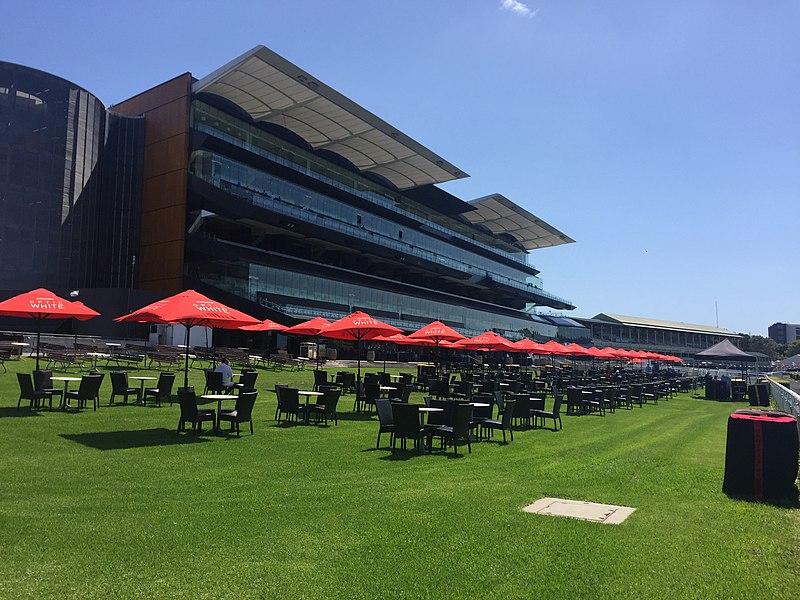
[38, 339]
[358, 358]
[186, 364]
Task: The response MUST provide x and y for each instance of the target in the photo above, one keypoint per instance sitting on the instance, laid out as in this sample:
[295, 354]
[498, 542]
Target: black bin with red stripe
[761, 455]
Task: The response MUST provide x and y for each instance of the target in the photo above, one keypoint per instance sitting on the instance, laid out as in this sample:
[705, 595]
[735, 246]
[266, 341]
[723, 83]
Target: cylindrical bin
[758, 394]
[370, 355]
[761, 455]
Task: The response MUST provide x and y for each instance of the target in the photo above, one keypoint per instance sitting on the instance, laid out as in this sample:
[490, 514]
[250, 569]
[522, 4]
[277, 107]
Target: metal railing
[784, 398]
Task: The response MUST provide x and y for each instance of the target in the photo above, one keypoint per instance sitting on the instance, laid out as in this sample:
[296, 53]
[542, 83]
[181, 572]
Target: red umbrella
[436, 332]
[190, 309]
[265, 325]
[529, 346]
[41, 304]
[553, 347]
[312, 328]
[358, 326]
[489, 340]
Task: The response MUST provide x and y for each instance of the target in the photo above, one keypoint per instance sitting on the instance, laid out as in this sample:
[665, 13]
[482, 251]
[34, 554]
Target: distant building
[784, 333]
[670, 337]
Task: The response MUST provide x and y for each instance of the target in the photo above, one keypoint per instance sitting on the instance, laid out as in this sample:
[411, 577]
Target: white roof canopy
[500, 215]
[272, 89]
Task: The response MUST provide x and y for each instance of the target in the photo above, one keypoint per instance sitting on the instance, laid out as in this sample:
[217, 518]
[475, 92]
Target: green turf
[115, 504]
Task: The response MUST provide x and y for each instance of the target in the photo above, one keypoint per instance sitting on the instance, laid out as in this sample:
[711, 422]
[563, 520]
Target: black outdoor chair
[42, 382]
[89, 389]
[325, 407]
[288, 404]
[554, 414]
[26, 392]
[575, 401]
[247, 382]
[407, 426]
[163, 389]
[214, 383]
[522, 408]
[320, 378]
[460, 430]
[120, 387]
[242, 413]
[191, 414]
[385, 419]
[503, 424]
[372, 391]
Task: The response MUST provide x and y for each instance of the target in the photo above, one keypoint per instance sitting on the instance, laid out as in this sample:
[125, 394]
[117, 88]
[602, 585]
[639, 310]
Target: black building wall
[60, 191]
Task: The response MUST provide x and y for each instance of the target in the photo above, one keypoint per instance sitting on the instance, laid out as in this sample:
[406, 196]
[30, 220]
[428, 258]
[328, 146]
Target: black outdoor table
[761, 455]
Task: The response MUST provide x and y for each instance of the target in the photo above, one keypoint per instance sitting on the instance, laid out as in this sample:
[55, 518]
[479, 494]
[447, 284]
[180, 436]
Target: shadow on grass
[23, 411]
[141, 438]
[353, 416]
[792, 501]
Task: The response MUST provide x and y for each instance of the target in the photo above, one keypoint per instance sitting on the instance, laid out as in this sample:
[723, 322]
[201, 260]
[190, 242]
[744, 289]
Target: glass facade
[312, 273]
[55, 202]
[291, 291]
[287, 198]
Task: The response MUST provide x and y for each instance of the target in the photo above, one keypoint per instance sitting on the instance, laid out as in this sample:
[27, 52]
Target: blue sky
[664, 137]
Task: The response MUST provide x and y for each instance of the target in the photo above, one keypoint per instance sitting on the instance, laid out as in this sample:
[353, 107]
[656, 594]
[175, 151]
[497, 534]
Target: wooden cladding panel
[160, 263]
[166, 162]
[164, 225]
[165, 156]
[163, 191]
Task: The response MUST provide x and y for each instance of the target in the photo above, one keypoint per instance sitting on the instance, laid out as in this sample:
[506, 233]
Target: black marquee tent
[725, 351]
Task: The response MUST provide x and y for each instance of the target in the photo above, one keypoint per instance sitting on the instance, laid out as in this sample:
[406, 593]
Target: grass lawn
[115, 504]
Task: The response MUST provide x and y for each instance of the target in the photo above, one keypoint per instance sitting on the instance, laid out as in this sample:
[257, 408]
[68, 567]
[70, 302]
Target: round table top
[142, 377]
[66, 378]
[430, 409]
[219, 396]
[479, 404]
[20, 344]
[309, 393]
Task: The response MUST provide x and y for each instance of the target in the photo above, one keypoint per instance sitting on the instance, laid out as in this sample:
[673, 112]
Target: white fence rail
[785, 399]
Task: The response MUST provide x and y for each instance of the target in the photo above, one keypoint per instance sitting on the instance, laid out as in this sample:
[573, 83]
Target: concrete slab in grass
[587, 511]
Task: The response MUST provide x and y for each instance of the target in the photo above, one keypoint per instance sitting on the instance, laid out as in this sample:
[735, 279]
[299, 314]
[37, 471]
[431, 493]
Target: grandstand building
[669, 337]
[262, 186]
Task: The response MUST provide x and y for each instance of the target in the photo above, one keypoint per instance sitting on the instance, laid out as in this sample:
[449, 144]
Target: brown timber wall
[166, 162]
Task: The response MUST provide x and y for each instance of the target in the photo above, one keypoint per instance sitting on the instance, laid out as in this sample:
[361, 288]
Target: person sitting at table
[224, 367]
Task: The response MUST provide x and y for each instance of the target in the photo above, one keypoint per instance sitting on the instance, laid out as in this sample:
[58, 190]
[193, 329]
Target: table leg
[305, 416]
[63, 405]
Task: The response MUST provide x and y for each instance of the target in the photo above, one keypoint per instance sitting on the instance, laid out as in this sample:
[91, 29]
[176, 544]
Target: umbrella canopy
[265, 325]
[489, 340]
[41, 304]
[310, 327]
[529, 346]
[576, 350]
[436, 332]
[190, 309]
[358, 326]
[553, 347]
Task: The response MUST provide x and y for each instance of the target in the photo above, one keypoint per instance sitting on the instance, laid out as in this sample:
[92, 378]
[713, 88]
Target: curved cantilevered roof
[272, 89]
[500, 215]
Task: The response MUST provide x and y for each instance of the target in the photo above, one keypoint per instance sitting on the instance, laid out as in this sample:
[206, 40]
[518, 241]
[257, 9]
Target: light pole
[74, 294]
